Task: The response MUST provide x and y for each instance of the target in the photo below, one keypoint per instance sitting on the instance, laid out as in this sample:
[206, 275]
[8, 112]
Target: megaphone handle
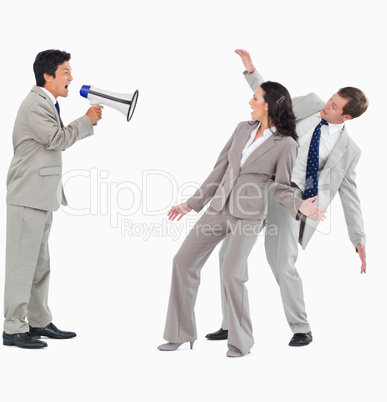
[93, 103]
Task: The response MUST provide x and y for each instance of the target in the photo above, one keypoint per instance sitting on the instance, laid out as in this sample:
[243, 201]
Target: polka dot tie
[57, 108]
[311, 180]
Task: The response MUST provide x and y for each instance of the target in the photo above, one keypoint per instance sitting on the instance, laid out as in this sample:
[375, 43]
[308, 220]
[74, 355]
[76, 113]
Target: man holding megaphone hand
[95, 113]
[34, 191]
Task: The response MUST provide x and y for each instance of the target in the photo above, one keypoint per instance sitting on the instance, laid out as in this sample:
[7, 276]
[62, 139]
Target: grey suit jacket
[34, 176]
[246, 188]
[338, 174]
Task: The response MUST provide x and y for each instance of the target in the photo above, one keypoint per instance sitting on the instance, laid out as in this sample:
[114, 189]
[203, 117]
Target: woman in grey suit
[257, 151]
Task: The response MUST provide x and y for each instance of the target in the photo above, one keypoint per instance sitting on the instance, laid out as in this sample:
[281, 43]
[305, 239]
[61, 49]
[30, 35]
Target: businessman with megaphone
[34, 191]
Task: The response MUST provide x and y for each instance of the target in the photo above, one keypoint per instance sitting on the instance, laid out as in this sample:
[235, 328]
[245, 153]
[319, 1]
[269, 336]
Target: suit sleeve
[207, 190]
[351, 205]
[282, 190]
[254, 79]
[46, 130]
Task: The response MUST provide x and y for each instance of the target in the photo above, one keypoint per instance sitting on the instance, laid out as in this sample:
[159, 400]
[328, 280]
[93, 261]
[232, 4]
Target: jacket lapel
[262, 149]
[337, 152]
[40, 92]
[235, 156]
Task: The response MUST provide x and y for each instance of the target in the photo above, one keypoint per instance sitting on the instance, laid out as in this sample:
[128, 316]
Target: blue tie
[311, 179]
[57, 108]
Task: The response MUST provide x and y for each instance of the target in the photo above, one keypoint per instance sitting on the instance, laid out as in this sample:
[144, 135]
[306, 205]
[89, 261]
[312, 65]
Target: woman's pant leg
[242, 237]
[180, 324]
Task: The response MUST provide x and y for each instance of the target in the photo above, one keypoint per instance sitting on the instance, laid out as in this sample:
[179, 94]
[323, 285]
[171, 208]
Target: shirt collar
[266, 133]
[332, 128]
[50, 95]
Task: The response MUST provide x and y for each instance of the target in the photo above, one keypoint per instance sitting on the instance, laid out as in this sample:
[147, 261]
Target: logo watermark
[129, 205]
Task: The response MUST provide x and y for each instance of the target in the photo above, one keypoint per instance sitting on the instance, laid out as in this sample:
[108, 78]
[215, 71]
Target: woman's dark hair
[280, 108]
[47, 62]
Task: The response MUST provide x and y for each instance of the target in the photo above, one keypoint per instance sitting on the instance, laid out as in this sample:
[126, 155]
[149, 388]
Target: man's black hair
[47, 62]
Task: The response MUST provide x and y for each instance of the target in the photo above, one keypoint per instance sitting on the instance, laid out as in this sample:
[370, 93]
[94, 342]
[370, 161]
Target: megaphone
[124, 103]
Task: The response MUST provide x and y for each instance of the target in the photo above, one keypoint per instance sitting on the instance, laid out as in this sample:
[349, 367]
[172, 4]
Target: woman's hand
[179, 211]
[310, 210]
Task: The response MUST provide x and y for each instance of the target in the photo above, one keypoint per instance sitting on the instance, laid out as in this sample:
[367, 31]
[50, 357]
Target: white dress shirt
[251, 146]
[50, 95]
[329, 135]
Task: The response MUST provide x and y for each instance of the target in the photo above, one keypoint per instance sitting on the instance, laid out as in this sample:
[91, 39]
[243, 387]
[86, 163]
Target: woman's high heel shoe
[172, 346]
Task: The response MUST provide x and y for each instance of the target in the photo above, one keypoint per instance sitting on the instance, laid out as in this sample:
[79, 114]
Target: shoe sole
[302, 344]
[8, 342]
[210, 338]
[52, 336]
[55, 337]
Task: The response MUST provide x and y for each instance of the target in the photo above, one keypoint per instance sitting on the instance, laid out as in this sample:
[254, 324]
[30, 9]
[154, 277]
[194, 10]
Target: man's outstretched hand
[246, 60]
[362, 254]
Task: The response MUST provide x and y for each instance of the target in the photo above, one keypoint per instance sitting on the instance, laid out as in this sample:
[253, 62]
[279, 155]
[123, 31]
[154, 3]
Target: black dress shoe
[218, 335]
[23, 340]
[301, 339]
[51, 331]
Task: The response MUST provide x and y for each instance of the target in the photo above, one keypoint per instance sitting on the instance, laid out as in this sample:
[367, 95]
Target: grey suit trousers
[209, 231]
[27, 270]
[281, 245]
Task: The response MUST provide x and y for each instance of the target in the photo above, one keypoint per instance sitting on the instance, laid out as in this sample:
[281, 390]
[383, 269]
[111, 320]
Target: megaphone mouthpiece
[85, 90]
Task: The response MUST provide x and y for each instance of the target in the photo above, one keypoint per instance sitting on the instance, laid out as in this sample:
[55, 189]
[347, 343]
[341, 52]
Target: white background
[112, 288]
